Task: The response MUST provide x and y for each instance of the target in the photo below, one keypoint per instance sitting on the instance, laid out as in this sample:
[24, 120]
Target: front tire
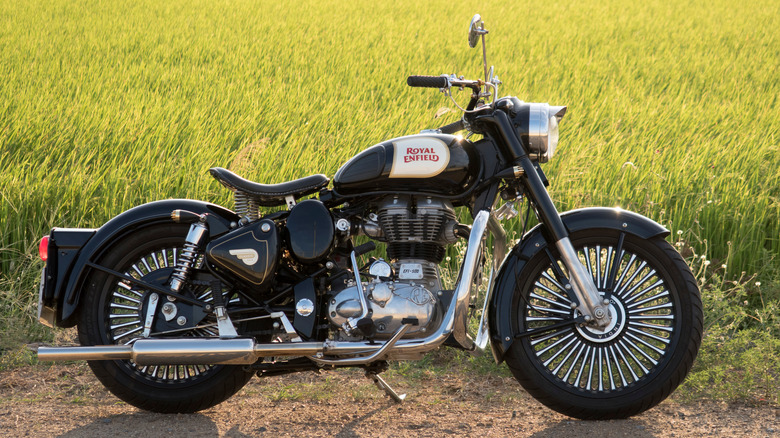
[113, 311]
[631, 365]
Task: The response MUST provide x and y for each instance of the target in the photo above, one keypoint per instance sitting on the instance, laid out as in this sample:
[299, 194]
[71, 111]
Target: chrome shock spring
[245, 205]
[241, 201]
[188, 255]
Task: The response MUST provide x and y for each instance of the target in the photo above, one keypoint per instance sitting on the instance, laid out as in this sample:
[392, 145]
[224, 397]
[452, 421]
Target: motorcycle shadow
[612, 428]
[356, 427]
[147, 424]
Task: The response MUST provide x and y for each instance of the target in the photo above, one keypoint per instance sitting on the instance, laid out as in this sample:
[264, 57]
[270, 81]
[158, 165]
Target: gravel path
[66, 400]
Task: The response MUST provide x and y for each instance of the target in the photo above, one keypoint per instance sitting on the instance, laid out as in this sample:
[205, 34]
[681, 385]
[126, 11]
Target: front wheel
[627, 367]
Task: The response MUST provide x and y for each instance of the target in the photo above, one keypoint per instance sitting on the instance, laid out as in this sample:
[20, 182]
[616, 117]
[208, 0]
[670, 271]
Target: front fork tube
[589, 301]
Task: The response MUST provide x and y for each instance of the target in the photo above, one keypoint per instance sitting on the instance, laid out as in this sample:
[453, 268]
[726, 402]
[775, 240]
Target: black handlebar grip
[452, 127]
[427, 81]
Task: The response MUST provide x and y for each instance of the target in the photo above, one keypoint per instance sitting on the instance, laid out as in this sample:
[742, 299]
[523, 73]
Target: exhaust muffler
[240, 351]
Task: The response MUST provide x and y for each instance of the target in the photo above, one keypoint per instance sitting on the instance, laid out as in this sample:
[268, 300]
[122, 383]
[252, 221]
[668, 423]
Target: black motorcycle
[179, 303]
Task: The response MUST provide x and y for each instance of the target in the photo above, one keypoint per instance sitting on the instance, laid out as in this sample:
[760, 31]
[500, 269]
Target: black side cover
[249, 253]
[306, 307]
[310, 231]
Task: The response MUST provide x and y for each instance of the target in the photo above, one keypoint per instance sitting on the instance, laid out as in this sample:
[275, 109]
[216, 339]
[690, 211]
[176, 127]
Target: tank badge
[417, 157]
[248, 256]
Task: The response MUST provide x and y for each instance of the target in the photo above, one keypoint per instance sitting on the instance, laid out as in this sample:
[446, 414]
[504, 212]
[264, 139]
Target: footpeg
[224, 324]
[381, 384]
[367, 327]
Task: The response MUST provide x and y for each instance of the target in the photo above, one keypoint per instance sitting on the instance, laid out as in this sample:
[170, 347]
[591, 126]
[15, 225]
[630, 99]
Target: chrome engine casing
[417, 230]
[390, 302]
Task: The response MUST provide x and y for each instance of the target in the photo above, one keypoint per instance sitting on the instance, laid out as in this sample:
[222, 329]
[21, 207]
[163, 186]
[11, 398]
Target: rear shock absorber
[193, 241]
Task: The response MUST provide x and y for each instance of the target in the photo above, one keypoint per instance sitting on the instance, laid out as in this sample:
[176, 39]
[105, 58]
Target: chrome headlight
[537, 127]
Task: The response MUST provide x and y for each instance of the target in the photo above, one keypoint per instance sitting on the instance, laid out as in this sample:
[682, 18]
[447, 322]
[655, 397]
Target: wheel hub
[170, 315]
[611, 331]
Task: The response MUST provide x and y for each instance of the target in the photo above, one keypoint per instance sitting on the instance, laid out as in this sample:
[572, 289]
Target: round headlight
[537, 127]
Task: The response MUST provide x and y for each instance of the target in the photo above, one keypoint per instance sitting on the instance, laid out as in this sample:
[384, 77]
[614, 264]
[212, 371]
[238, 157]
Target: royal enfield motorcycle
[180, 302]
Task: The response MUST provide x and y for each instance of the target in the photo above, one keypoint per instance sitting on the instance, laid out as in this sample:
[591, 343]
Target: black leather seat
[270, 195]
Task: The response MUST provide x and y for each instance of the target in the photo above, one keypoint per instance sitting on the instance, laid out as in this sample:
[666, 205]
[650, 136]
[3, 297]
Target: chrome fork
[591, 304]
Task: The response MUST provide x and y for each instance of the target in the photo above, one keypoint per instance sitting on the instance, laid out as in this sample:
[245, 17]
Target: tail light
[43, 248]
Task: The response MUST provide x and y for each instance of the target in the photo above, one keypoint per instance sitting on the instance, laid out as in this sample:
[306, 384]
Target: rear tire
[112, 313]
[633, 364]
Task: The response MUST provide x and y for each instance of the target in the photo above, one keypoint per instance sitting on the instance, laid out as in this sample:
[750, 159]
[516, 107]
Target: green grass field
[673, 109]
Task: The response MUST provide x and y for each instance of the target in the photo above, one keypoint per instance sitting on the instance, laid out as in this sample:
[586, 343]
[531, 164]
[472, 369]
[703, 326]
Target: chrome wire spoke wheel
[631, 364]
[621, 354]
[126, 312]
[114, 312]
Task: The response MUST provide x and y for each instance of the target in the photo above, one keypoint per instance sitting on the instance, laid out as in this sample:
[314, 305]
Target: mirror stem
[484, 62]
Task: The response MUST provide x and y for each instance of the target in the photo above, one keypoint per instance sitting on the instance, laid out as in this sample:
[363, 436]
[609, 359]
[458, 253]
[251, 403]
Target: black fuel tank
[434, 163]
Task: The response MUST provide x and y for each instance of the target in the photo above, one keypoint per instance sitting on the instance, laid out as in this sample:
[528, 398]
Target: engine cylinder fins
[428, 251]
[414, 227]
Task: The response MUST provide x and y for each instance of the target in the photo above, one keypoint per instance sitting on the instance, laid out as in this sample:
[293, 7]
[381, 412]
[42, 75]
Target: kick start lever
[352, 323]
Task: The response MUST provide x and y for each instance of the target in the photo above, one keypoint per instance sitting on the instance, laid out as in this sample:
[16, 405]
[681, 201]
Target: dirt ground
[67, 401]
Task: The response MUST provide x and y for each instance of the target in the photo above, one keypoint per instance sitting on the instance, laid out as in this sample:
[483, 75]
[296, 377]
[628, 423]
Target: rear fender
[72, 272]
[512, 270]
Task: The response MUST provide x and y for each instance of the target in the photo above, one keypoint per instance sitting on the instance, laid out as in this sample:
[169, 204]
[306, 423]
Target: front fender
[67, 294]
[512, 269]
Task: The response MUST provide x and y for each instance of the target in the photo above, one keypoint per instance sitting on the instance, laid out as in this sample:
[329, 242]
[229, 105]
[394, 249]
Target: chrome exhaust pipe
[237, 351]
[189, 351]
[100, 352]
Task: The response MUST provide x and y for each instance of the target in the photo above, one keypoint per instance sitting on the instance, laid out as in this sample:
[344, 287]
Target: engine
[416, 230]
[417, 227]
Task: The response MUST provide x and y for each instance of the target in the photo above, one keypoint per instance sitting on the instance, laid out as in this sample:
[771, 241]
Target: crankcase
[390, 304]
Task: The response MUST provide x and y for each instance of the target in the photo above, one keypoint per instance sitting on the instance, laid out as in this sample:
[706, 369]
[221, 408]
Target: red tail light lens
[43, 248]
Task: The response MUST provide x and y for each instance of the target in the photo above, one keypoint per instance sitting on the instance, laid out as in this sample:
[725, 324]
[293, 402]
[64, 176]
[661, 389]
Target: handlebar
[452, 127]
[427, 81]
[443, 82]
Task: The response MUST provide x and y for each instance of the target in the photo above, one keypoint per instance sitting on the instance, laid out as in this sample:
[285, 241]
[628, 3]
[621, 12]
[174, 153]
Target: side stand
[381, 384]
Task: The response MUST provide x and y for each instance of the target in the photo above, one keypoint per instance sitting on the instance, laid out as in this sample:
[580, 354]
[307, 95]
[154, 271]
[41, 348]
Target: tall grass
[105, 105]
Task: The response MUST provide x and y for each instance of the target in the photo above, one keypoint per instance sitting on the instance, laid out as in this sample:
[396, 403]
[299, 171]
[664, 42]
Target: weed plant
[740, 354]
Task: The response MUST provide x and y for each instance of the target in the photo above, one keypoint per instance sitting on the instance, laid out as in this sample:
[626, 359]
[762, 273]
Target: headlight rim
[537, 125]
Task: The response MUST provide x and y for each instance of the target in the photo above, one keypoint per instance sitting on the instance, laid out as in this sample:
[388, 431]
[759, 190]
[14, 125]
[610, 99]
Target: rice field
[673, 106]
